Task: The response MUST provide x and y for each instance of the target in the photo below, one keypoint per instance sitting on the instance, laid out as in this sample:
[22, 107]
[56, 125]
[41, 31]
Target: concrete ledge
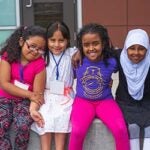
[98, 138]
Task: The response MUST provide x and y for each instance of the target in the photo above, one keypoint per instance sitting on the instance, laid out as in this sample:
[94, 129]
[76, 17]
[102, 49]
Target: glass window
[46, 12]
[4, 35]
[7, 13]
[9, 18]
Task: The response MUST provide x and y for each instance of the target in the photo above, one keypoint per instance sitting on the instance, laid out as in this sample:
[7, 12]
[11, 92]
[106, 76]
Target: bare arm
[76, 59]
[7, 85]
[38, 84]
[38, 87]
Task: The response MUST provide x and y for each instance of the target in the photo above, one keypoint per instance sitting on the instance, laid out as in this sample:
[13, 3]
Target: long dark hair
[103, 34]
[51, 29]
[12, 46]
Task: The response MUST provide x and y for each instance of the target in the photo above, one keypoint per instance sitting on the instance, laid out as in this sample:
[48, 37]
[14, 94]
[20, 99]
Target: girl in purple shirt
[22, 80]
[94, 98]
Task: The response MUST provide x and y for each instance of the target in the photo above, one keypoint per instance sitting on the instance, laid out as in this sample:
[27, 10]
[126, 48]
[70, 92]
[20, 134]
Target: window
[9, 17]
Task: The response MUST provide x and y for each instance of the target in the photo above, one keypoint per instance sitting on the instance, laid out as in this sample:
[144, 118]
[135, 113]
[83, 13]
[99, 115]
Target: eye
[52, 40]
[86, 44]
[61, 40]
[96, 43]
[142, 48]
[33, 46]
[132, 47]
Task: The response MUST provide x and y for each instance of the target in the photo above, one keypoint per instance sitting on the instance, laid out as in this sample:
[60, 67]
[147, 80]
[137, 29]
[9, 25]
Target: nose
[136, 51]
[35, 51]
[56, 43]
[91, 47]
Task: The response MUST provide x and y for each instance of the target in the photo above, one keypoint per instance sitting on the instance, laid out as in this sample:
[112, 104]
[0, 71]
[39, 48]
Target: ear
[21, 41]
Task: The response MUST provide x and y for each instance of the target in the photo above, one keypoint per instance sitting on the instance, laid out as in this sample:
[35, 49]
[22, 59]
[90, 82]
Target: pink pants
[84, 112]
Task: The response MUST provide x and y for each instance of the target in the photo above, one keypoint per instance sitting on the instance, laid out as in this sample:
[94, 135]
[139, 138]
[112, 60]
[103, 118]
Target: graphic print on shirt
[92, 82]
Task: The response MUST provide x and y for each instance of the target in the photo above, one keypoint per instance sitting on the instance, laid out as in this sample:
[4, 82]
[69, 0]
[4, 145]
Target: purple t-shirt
[93, 79]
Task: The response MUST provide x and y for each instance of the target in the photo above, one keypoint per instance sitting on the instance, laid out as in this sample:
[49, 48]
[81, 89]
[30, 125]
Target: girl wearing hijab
[133, 92]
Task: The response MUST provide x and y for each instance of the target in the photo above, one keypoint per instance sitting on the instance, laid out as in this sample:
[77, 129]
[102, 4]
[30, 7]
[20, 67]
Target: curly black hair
[12, 47]
[103, 34]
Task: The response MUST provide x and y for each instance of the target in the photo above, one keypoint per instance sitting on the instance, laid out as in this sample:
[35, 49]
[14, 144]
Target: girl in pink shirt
[22, 81]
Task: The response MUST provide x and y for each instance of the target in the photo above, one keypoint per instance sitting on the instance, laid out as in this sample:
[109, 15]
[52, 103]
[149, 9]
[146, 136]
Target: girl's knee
[78, 132]
[2, 132]
[22, 126]
[4, 127]
[120, 130]
[147, 132]
[134, 130]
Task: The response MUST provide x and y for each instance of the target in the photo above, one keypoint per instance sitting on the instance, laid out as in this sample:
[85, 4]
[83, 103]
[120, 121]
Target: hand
[37, 98]
[76, 59]
[111, 83]
[37, 117]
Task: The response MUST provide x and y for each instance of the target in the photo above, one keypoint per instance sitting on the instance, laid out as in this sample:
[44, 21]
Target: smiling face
[57, 43]
[92, 46]
[32, 48]
[136, 53]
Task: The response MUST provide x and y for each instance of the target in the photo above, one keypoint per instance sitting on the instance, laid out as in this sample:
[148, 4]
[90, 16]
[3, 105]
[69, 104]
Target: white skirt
[56, 112]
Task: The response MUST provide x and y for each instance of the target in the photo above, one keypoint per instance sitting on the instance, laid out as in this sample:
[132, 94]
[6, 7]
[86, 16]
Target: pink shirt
[27, 74]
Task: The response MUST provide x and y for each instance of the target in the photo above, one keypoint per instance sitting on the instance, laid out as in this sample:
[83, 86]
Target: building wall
[118, 16]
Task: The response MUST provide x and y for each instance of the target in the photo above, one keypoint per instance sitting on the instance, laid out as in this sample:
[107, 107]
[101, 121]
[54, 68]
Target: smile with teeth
[92, 53]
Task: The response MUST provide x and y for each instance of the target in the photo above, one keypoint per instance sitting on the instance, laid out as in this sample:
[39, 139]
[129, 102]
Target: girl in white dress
[58, 96]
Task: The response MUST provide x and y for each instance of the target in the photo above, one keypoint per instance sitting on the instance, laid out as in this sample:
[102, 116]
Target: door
[41, 12]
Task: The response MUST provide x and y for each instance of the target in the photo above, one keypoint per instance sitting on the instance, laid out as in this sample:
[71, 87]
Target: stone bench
[98, 138]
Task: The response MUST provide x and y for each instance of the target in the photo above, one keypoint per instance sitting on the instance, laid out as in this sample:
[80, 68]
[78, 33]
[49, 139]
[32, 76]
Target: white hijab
[136, 73]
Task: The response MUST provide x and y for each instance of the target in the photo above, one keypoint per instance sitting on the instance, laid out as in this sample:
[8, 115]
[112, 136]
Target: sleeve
[72, 50]
[4, 56]
[74, 73]
[115, 65]
[117, 53]
[39, 65]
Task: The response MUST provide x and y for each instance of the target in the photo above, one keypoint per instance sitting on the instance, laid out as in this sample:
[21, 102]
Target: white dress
[57, 108]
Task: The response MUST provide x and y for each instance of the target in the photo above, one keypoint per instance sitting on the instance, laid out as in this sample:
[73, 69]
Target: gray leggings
[135, 131]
